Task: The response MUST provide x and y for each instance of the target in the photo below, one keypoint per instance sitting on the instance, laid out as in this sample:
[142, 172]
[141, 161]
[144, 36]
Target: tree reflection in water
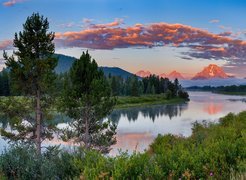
[151, 112]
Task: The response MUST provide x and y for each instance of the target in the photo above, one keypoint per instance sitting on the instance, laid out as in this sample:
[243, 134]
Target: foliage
[133, 86]
[22, 162]
[143, 100]
[32, 73]
[18, 113]
[4, 83]
[87, 100]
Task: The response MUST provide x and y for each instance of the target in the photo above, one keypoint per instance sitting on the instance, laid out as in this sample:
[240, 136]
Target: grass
[145, 100]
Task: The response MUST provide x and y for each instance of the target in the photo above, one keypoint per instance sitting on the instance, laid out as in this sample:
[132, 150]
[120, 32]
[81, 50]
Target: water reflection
[151, 112]
[213, 108]
[138, 127]
[132, 142]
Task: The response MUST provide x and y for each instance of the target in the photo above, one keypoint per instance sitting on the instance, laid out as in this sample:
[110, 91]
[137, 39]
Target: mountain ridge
[65, 62]
[172, 75]
[210, 72]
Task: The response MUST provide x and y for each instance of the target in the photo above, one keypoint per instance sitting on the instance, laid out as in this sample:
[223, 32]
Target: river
[138, 127]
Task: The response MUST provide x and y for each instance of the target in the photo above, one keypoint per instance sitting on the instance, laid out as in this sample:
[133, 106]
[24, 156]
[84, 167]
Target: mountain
[143, 73]
[116, 71]
[210, 72]
[174, 74]
[65, 62]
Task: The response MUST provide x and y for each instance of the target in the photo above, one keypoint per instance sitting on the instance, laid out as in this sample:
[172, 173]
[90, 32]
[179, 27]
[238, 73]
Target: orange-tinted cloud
[116, 22]
[202, 44]
[12, 2]
[5, 44]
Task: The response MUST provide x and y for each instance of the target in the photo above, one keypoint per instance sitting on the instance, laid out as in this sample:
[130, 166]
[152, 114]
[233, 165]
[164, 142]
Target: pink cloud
[5, 44]
[12, 2]
[202, 44]
[116, 22]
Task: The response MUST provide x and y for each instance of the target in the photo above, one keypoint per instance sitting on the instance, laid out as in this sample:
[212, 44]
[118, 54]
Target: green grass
[145, 100]
[231, 93]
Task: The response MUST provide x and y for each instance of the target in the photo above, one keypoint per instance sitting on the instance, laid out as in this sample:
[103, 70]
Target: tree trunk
[38, 121]
[86, 129]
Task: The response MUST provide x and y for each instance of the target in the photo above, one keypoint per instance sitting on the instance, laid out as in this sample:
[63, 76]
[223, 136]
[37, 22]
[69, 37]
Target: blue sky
[80, 17]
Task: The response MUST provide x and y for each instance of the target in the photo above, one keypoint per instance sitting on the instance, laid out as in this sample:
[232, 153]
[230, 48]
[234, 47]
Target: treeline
[134, 86]
[131, 86]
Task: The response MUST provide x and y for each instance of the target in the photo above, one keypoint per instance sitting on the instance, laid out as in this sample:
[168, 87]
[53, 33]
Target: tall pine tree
[87, 100]
[32, 73]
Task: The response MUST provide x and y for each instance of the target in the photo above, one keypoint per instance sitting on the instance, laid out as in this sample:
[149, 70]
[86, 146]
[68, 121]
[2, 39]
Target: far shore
[146, 100]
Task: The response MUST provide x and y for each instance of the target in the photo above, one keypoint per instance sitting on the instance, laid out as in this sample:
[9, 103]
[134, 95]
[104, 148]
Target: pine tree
[134, 86]
[33, 72]
[115, 86]
[4, 83]
[87, 100]
[176, 86]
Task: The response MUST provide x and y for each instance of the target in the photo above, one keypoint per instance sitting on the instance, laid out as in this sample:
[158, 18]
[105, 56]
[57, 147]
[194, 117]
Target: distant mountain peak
[174, 74]
[210, 72]
[143, 73]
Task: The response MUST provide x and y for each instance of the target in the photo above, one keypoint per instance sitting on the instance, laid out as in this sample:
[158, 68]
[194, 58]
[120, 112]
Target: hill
[65, 62]
[116, 71]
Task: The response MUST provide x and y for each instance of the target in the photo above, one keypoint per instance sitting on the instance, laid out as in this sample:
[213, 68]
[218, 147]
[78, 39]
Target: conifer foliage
[32, 73]
[87, 100]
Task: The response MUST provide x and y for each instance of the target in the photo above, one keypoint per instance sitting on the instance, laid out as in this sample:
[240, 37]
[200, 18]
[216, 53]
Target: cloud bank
[201, 43]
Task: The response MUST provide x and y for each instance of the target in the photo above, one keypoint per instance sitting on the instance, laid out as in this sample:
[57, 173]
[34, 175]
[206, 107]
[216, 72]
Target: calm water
[137, 127]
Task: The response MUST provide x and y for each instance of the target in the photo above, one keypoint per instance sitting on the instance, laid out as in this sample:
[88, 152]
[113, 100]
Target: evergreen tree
[115, 86]
[134, 86]
[87, 100]
[33, 72]
[153, 89]
[176, 86]
[4, 83]
[148, 89]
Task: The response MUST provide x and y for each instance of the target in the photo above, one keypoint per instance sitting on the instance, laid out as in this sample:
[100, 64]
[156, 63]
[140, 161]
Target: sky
[159, 36]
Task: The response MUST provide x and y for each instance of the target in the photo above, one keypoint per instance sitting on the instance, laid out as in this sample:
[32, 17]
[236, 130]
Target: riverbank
[145, 100]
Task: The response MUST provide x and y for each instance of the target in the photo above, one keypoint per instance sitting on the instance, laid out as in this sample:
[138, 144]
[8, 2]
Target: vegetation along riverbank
[212, 151]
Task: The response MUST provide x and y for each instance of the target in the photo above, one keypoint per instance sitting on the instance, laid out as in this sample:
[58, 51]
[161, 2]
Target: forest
[130, 86]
